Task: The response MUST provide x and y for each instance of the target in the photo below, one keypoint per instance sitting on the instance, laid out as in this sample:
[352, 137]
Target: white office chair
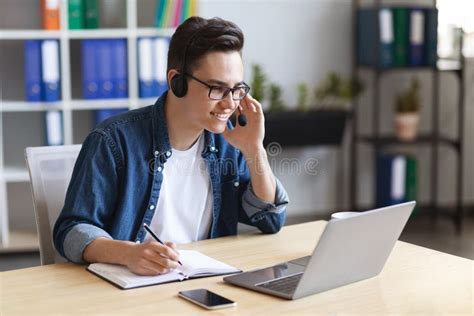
[50, 170]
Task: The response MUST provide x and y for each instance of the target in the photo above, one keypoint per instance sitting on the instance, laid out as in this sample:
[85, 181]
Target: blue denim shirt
[117, 177]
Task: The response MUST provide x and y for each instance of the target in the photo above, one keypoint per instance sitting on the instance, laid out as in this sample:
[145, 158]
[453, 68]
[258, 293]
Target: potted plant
[302, 102]
[258, 84]
[274, 98]
[320, 124]
[336, 92]
[407, 115]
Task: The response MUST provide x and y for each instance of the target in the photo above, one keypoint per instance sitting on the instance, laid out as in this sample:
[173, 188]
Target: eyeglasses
[220, 92]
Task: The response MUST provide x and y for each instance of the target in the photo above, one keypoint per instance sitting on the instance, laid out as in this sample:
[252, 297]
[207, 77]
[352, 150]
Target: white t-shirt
[183, 213]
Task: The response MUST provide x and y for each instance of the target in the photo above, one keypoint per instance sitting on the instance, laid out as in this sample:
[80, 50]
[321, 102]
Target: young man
[178, 166]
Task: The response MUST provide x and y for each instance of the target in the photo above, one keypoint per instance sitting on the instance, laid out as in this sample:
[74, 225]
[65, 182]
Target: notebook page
[196, 263]
[121, 276]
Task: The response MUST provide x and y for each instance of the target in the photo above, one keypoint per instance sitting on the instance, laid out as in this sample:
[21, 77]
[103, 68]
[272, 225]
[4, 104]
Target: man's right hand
[152, 258]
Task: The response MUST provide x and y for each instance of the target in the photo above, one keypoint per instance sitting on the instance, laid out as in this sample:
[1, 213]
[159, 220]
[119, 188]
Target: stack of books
[83, 14]
[171, 13]
[50, 14]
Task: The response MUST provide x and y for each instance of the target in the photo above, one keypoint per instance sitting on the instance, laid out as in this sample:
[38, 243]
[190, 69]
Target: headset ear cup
[179, 86]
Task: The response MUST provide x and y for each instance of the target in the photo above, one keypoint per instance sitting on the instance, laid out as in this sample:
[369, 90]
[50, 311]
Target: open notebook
[195, 265]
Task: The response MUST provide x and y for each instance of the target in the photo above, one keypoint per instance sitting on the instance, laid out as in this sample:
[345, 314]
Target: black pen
[148, 229]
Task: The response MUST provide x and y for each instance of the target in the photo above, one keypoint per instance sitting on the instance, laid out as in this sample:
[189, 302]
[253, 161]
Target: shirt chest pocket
[230, 205]
[230, 195]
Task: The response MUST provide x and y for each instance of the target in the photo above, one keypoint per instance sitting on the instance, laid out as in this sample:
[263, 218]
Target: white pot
[406, 125]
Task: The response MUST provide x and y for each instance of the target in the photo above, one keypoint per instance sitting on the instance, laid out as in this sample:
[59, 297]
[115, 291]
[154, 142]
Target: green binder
[411, 184]
[400, 24]
[76, 14]
[91, 14]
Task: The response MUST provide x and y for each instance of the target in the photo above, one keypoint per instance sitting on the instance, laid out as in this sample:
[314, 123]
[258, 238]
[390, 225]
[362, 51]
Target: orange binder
[50, 10]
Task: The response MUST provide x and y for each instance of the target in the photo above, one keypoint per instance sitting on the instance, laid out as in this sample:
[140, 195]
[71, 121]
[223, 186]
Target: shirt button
[236, 183]
[168, 153]
[160, 169]
[152, 207]
[213, 149]
[157, 152]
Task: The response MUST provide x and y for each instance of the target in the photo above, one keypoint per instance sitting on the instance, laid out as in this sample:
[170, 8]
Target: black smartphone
[206, 299]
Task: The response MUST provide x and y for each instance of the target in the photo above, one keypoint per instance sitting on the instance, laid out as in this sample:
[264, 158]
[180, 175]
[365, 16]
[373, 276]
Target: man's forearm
[261, 175]
[108, 251]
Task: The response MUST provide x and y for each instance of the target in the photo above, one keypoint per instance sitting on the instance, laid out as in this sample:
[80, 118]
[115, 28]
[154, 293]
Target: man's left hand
[249, 138]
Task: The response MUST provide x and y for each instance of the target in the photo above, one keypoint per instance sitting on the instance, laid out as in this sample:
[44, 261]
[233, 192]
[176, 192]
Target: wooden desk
[415, 280]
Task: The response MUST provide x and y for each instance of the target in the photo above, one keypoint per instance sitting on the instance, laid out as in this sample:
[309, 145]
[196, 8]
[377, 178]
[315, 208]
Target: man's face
[224, 69]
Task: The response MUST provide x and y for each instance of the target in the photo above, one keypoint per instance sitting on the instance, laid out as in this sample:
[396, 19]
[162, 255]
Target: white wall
[295, 41]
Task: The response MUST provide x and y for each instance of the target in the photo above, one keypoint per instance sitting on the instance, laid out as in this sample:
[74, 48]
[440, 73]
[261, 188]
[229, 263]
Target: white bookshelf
[23, 106]
[29, 34]
[72, 108]
[14, 174]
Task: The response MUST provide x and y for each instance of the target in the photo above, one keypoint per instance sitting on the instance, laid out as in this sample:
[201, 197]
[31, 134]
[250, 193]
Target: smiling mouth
[221, 116]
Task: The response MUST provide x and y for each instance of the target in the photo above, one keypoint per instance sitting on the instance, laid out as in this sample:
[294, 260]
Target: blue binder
[104, 69]
[50, 70]
[90, 84]
[431, 37]
[373, 43]
[53, 128]
[417, 37]
[390, 179]
[33, 77]
[120, 68]
[145, 68]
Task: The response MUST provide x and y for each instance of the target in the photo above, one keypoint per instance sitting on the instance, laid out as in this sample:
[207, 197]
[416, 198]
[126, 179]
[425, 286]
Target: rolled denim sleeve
[91, 197]
[267, 216]
[78, 238]
[252, 204]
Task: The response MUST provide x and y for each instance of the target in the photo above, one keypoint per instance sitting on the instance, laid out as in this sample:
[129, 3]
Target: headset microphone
[242, 119]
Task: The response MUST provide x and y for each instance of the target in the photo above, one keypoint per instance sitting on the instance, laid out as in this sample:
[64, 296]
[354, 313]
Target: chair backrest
[50, 170]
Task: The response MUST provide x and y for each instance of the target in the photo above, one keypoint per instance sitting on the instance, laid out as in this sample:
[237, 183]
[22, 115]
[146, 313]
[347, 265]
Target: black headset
[179, 82]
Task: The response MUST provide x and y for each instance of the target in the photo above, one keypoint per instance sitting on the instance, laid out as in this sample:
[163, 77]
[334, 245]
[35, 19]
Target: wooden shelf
[21, 241]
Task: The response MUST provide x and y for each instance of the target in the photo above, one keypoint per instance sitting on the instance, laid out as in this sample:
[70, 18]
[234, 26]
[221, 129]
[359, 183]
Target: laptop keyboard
[285, 285]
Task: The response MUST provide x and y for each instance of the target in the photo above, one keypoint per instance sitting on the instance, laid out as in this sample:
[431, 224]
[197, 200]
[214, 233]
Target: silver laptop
[349, 250]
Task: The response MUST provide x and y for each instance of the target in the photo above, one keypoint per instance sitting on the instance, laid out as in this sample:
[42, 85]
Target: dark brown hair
[202, 36]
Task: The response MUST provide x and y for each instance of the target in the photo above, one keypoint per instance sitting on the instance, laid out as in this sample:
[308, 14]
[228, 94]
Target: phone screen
[206, 298]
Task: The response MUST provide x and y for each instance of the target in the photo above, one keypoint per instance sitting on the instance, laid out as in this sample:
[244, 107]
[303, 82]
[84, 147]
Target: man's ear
[170, 75]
